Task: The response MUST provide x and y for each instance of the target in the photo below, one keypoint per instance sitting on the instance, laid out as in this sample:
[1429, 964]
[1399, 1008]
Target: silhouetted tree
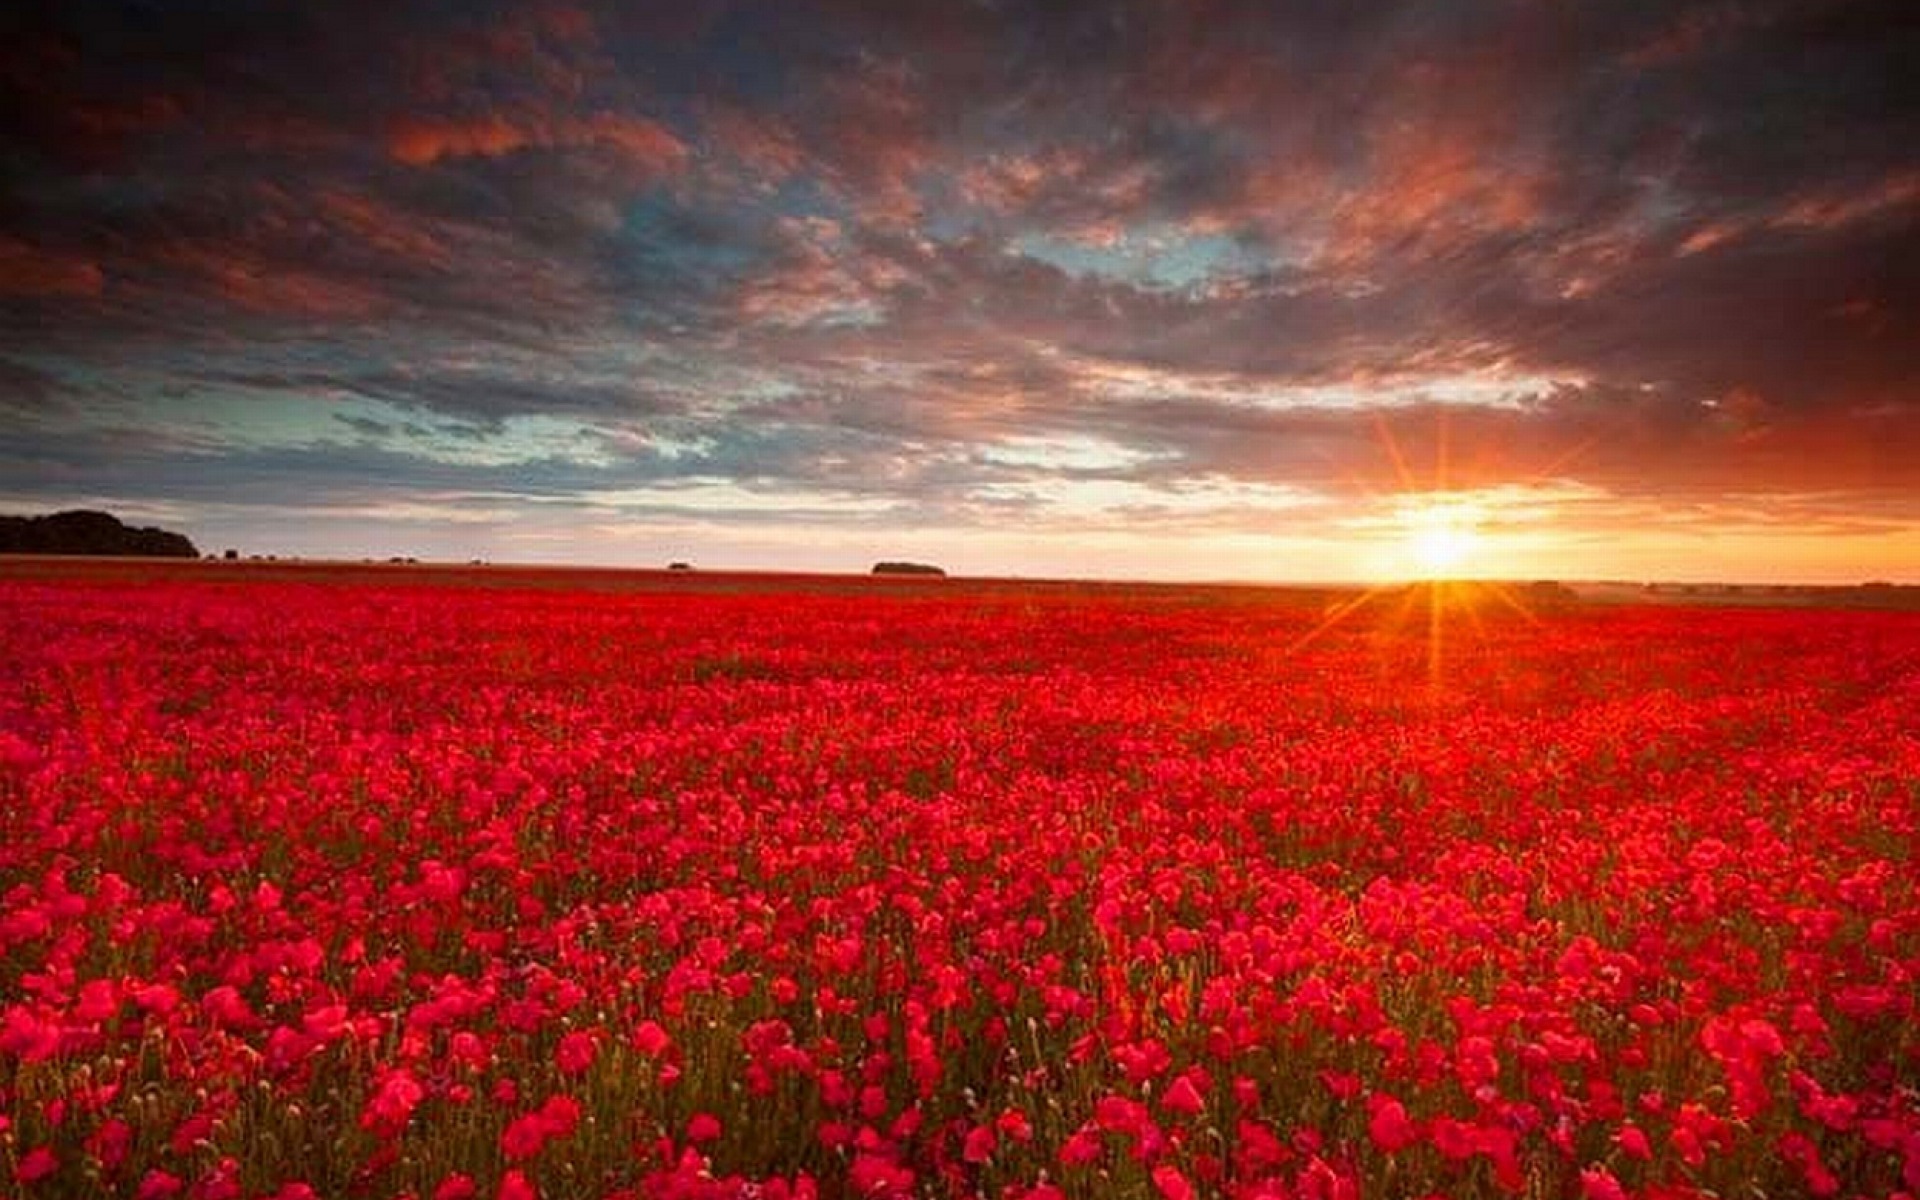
[85, 532]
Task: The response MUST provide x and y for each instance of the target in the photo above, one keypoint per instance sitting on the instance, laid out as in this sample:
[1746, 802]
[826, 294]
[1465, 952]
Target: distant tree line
[84, 532]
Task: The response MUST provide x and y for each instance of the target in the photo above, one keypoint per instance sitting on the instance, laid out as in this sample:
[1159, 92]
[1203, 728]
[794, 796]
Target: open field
[493, 882]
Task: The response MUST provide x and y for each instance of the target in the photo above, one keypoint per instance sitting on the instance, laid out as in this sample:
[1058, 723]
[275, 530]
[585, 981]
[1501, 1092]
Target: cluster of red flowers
[311, 888]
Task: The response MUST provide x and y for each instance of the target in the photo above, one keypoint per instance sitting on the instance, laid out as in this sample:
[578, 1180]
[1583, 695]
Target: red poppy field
[511, 885]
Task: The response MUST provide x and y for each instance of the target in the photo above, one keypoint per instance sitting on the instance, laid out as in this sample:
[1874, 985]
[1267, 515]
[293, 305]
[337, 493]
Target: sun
[1442, 549]
[1441, 541]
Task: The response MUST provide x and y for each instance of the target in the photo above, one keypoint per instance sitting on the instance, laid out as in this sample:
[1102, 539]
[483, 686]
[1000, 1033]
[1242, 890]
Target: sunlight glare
[1441, 541]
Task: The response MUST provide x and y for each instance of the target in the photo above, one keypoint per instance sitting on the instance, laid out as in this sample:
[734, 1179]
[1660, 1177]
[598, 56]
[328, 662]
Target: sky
[1159, 289]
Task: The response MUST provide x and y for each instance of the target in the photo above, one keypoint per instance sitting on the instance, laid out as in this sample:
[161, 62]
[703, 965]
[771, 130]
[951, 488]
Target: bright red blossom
[35, 1165]
[902, 890]
[575, 1053]
[1387, 1123]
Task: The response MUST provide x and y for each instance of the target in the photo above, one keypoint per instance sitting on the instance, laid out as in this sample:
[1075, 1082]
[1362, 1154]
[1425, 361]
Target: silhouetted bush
[1550, 593]
[85, 532]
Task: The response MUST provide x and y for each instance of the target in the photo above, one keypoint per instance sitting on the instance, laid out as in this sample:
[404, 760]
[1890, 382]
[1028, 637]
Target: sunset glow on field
[508, 883]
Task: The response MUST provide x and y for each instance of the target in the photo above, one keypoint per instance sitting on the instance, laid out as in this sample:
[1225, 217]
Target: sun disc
[1440, 542]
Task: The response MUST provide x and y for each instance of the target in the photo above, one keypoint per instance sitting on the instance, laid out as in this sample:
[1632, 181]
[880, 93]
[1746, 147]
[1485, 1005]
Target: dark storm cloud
[868, 246]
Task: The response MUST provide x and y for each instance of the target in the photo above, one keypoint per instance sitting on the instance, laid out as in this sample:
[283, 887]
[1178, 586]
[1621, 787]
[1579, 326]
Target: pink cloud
[392, 234]
[422, 142]
[249, 282]
[761, 144]
[27, 270]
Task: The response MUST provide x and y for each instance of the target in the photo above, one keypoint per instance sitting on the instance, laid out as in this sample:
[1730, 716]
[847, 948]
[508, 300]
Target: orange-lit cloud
[420, 142]
[27, 270]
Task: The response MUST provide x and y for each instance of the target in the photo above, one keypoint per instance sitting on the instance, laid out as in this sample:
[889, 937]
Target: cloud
[420, 142]
[29, 271]
[1664, 253]
[29, 394]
